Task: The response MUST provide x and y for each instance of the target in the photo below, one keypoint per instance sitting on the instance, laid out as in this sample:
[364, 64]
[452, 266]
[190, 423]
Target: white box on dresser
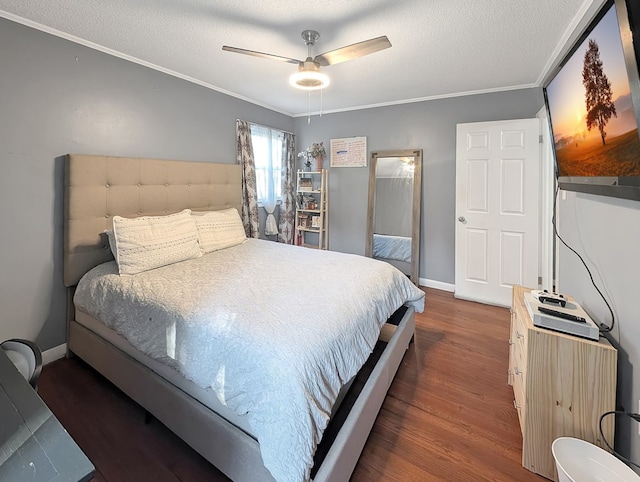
[561, 386]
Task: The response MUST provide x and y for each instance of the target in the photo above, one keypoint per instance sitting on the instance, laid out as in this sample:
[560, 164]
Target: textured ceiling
[440, 48]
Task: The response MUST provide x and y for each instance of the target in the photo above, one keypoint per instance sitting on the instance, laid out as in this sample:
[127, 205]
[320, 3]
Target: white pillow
[219, 229]
[149, 242]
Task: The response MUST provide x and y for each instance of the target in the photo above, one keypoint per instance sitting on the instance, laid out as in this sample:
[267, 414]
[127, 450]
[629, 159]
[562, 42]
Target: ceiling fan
[309, 76]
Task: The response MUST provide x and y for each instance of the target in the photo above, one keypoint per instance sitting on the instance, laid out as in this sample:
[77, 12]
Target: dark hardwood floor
[448, 416]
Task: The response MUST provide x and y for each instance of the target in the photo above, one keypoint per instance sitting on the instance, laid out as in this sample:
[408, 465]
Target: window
[267, 153]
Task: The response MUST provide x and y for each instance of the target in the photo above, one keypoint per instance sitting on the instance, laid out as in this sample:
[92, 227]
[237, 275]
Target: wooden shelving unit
[312, 209]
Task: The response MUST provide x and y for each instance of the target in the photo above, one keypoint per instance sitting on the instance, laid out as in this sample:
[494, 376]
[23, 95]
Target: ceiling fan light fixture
[309, 77]
[309, 80]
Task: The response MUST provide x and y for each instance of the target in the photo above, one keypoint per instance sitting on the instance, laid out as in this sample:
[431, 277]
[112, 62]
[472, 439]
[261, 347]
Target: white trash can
[27, 358]
[580, 461]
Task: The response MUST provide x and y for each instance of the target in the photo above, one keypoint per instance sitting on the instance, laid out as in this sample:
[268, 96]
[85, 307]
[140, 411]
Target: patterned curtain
[288, 207]
[249, 196]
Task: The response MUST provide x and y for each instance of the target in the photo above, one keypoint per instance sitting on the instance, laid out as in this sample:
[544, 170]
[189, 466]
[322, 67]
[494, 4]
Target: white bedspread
[275, 330]
[392, 247]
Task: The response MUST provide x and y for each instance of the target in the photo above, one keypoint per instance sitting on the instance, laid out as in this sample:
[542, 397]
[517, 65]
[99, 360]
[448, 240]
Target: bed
[98, 188]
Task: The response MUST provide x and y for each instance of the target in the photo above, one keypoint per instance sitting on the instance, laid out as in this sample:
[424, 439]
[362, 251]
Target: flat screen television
[593, 103]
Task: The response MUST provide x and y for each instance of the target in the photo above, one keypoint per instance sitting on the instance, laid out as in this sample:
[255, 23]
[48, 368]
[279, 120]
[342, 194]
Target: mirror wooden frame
[415, 219]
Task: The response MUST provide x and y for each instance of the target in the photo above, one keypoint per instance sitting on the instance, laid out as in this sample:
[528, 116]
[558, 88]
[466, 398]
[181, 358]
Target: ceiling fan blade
[260, 54]
[353, 51]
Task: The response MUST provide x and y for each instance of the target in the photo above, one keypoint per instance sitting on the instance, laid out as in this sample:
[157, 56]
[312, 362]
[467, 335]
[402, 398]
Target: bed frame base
[227, 447]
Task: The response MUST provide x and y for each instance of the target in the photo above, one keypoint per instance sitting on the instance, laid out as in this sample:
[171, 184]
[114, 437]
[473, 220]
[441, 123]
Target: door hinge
[540, 139]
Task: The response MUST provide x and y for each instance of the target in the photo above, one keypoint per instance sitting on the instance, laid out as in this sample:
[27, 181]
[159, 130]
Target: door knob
[462, 219]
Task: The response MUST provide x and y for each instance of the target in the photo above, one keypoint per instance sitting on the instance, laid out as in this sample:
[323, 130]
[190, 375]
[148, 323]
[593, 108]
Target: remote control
[560, 314]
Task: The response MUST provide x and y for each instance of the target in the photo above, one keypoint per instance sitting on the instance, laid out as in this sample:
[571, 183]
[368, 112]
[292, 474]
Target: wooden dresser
[561, 385]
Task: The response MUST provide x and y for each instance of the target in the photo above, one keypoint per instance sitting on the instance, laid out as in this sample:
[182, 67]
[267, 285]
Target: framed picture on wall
[348, 152]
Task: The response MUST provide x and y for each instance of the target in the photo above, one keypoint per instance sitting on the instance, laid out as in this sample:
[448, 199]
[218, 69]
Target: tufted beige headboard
[99, 187]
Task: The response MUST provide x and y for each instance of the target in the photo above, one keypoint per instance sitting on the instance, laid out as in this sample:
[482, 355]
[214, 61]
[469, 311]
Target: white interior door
[497, 206]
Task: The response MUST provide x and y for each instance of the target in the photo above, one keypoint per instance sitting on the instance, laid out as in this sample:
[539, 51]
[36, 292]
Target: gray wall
[429, 125]
[58, 97]
[606, 233]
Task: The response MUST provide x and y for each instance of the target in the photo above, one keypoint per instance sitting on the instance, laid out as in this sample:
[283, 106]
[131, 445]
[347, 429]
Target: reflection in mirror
[393, 226]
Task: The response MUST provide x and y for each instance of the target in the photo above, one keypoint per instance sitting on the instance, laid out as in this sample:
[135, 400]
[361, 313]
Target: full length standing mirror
[393, 218]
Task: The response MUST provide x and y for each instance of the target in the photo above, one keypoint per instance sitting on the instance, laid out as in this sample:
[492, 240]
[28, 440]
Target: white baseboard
[439, 285]
[53, 354]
